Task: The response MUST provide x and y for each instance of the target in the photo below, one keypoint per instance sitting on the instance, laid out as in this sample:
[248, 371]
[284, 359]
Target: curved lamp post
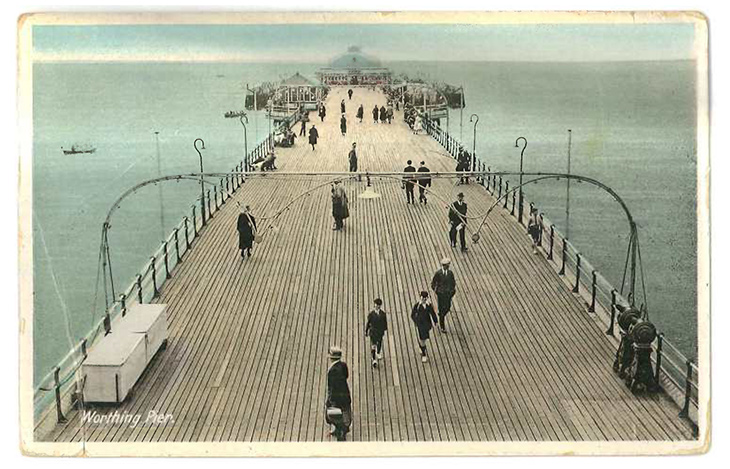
[474, 141]
[522, 154]
[245, 140]
[202, 188]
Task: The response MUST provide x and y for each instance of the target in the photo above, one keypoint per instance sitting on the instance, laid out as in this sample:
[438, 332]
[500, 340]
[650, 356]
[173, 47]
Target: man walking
[349, 93]
[313, 136]
[338, 406]
[352, 159]
[375, 328]
[409, 183]
[444, 284]
[423, 182]
[457, 217]
[423, 316]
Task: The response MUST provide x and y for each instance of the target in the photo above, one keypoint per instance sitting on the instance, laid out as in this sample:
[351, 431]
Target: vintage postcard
[361, 234]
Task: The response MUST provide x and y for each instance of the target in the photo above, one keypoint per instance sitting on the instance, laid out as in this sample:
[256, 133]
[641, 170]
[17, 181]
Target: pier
[524, 359]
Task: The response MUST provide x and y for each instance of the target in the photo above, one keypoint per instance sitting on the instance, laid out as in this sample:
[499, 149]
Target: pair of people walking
[423, 315]
[422, 180]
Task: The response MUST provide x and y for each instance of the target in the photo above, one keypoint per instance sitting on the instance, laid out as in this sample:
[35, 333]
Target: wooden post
[660, 342]
[592, 307]
[687, 391]
[577, 273]
[552, 239]
[167, 267]
[187, 239]
[57, 386]
[562, 267]
[139, 288]
[613, 313]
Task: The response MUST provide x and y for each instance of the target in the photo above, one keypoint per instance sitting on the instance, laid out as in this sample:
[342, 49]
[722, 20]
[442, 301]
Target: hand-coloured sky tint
[318, 43]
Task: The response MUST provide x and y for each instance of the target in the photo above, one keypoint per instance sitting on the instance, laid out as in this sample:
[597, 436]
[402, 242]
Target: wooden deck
[247, 360]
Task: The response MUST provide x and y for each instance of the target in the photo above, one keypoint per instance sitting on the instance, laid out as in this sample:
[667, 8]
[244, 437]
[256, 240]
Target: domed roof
[354, 59]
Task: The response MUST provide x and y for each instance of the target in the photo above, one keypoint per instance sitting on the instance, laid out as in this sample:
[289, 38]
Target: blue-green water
[633, 128]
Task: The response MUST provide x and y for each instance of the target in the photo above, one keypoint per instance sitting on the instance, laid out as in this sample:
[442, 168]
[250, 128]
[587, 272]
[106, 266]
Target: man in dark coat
[423, 182]
[343, 124]
[360, 113]
[375, 328]
[383, 115]
[322, 112]
[457, 218]
[444, 284]
[352, 158]
[246, 226]
[303, 129]
[340, 210]
[409, 183]
[349, 93]
[423, 316]
[338, 395]
[313, 136]
[342, 107]
[375, 114]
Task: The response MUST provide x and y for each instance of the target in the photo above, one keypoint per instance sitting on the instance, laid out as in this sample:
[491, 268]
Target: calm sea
[633, 127]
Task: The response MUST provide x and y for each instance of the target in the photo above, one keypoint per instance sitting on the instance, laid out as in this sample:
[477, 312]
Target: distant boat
[232, 114]
[78, 149]
[220, 76]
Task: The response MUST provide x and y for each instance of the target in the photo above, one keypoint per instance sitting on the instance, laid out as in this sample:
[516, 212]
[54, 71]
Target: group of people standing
[385, 115]
[338, 403]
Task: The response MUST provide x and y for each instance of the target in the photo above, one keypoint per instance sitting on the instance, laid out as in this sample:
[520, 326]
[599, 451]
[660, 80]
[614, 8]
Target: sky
[315, 43]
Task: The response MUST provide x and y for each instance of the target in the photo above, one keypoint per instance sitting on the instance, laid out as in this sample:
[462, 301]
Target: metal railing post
[210, 214]
[155, 292]
[514, 197]
[57, 385]
[139, 288]
[577, 273]
[167, 267]
[552, 239]
[177, 245]
[562, 267]
[187, 239]
[488, 176]
[84, 350]
[195, 225]
[687, 391]
[506, 193]
[660, 342]
[613, 313]
[542, 225]
[123, 300]
[215, 197]
[500, 188]
[592, 307]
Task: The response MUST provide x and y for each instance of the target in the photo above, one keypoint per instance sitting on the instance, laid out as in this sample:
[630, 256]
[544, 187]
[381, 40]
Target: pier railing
[57, 391]
[674, 372]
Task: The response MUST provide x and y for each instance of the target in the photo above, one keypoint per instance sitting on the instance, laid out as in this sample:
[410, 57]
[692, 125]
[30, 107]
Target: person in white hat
[338, 406]
[444, 284]
[423, 316]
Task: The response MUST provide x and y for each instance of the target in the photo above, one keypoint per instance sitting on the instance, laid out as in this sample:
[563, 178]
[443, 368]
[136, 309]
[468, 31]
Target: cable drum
[628, 318]
[644, 333]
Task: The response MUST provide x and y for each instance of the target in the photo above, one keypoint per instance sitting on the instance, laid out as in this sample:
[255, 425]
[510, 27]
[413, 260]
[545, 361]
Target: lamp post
[522, 154]
[202, 186]
[245, 141]
[474, 141]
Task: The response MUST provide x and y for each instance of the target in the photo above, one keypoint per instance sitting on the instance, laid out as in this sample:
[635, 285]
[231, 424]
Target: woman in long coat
[375, 114]
[313, 136]
[383, 115]
[340, 210]
[360, 113]
[246, 231]
[342, 106]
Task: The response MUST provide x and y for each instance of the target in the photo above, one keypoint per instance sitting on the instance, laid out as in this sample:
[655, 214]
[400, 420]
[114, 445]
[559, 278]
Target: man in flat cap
[375, 328]
[457, 218]
[444, 284]
[338, 406]
[424, 317]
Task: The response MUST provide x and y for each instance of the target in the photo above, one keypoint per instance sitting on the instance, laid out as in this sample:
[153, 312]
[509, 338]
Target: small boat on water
[78, 149]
